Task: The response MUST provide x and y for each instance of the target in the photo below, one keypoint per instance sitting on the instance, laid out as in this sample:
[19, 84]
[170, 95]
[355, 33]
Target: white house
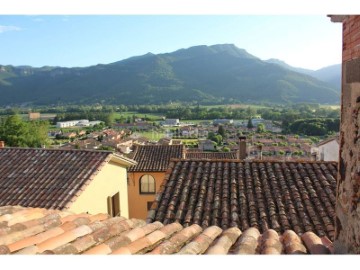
[223, 121]
[206, 145]
[171, 122]
[327, 150]
[72, 123]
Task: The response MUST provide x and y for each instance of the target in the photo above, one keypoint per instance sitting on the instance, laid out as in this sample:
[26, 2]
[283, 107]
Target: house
[281, 196]
[72, 180]
[125, 146]
[223, 121]
[24, 231]
[327, 150]
[145, 178]
[81, 123]
[69, 135]
[171, 122]
[206, 145]
[34, 115]
[165, 141]
[189, 131]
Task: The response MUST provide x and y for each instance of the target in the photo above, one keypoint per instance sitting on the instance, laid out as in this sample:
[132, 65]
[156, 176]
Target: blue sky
[308, 41]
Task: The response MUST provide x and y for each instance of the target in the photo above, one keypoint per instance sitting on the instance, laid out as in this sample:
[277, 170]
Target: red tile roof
[47, 178]
[297, 196]
[40, 231]
[210, 155]
[155, 158]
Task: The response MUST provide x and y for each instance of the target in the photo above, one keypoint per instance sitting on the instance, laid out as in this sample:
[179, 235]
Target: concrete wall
[110, 180]
[330, 151]
[347, 237]
[138, 202]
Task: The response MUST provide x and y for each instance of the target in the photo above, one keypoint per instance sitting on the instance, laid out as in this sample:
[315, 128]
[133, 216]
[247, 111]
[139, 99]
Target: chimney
[2, 144]
[242, 147]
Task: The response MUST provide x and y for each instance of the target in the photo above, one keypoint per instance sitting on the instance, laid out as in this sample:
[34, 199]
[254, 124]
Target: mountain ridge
[207, 74]
[329, 74]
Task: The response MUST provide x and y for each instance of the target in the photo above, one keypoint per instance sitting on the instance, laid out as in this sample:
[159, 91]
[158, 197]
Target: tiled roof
[155, 158]
[39, 231]
[210, 155]
[299, 196]
[47, 178]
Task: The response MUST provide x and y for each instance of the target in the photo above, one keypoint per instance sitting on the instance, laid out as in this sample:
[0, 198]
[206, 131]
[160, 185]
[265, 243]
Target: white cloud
[7, 28]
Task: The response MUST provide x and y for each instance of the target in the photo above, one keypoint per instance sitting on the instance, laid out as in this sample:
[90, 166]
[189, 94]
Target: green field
[152, 135]
[152, 116]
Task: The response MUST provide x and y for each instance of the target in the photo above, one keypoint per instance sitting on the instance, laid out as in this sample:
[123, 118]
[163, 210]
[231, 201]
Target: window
[113, 203]
[147, 184]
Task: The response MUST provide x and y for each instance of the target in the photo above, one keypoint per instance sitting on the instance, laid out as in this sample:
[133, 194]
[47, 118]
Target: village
[263, 139]
[220, 186]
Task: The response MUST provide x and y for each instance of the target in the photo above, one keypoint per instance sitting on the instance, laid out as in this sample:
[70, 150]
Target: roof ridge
[56, 149]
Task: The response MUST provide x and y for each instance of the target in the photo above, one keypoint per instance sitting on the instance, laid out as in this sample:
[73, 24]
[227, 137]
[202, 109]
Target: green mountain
[217, 73]
[330, 74]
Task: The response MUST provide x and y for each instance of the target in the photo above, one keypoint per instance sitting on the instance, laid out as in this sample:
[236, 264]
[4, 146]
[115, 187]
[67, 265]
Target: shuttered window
[147, 184]
[113, 203]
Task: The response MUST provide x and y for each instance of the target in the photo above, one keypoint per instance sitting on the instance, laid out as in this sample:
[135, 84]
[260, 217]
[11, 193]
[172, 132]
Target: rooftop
[49, 178]
[210, 155]
[40, 231]
[155, 158]
[282, 196]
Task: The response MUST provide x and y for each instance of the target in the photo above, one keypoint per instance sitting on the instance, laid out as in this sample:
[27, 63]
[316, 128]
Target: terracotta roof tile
[43, 178]
[118, 236]
[148, 242]
[201, 243]
[223, 244]
[100, 234]
[298, 196]
[210, 155]
[315, 244]
[270, 243]
[176, 242]
[292, 243]
[155, 158]
[248, 242]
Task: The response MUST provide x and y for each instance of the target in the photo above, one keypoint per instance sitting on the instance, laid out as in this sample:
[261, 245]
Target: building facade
[348, 187]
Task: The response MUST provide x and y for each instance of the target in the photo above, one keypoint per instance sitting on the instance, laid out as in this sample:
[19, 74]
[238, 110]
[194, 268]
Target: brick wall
[351, 38]
[347, 237]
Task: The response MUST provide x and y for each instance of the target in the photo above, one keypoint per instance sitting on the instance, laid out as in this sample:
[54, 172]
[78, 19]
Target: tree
[18, 133]
[261, 128]
[13, 131]
[221, 131]
[250, 124]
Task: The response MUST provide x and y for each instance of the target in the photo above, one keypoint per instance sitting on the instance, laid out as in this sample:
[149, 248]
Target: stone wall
[347, 237]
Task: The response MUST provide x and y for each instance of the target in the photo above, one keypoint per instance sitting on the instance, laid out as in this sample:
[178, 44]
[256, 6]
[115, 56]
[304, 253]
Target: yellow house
[76, 180]
[145, 178]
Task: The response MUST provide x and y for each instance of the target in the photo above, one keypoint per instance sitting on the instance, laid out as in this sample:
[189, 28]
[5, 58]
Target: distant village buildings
[171, 122]
[80, 123]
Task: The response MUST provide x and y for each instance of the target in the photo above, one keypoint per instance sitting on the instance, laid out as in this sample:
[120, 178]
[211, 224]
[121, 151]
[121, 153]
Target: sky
[310, 41]
[82, 33]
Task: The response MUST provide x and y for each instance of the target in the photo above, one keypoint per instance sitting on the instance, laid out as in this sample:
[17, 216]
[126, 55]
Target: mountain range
[330, 74]
[205, 74]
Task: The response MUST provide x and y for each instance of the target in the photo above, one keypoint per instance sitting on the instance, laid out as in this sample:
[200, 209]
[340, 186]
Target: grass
[152, 116]
[152, 135]
[236, 106]
[333, 107]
